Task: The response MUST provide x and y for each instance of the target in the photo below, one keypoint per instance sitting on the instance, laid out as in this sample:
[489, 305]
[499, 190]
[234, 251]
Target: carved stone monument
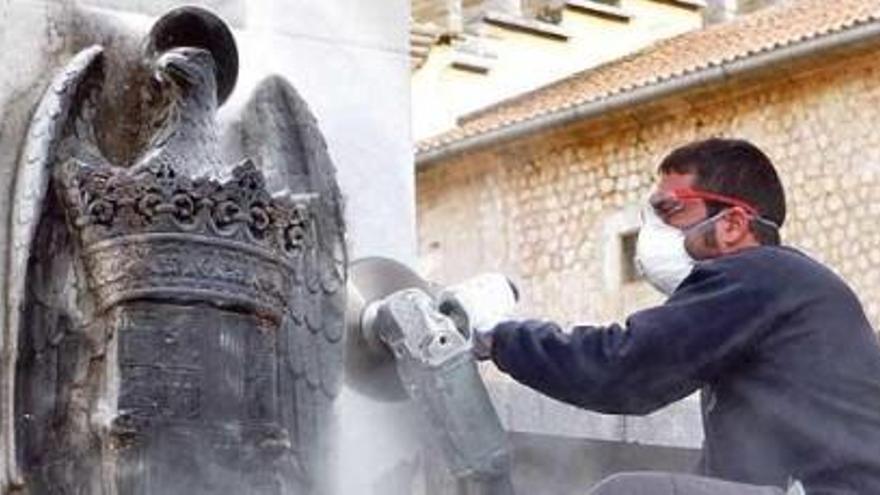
[177, 297]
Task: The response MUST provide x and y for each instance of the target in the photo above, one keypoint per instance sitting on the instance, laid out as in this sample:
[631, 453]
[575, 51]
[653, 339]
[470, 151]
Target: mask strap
[703, 222]
[690, 192]
[766, 222]
[758, 218]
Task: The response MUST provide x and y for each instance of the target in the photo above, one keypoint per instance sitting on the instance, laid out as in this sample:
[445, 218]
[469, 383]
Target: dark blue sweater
[788, 365]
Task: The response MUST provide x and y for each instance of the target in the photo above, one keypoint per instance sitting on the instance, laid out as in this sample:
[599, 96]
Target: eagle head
[190, 70]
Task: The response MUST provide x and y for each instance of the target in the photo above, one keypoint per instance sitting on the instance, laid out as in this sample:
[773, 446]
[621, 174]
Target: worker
[779, 347]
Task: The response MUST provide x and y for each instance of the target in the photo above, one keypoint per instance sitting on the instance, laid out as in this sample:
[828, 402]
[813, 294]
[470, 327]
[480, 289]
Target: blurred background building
[472, 53]
[548, 146]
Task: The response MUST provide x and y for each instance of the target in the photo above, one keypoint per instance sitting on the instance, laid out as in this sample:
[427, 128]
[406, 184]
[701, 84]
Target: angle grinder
[409, 339]
[371, 367]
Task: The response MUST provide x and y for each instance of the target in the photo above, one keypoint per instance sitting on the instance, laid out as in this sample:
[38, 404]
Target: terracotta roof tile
[763, 31]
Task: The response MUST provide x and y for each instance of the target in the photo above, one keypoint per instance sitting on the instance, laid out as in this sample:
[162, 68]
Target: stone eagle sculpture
[173, 319]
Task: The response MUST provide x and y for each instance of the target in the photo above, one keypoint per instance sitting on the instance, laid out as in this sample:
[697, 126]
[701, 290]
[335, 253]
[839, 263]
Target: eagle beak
[158, 79]
[171, 64]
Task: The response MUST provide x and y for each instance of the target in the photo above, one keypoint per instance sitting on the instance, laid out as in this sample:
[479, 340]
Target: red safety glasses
[674, 201]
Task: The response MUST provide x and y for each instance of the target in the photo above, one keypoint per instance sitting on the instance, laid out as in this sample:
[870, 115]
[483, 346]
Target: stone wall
[553, 211]
[546, 211]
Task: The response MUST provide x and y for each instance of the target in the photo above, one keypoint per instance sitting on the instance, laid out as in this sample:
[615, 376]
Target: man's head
[724, 193]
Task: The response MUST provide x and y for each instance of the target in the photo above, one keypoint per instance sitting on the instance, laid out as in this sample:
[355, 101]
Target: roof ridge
[476, 114]
[747, 36]
[733, 24]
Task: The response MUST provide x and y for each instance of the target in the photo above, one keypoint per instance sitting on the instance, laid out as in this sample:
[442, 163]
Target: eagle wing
[281, 135]
[55, 117]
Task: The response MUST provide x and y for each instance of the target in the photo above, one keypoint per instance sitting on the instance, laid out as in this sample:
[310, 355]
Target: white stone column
[349, 59]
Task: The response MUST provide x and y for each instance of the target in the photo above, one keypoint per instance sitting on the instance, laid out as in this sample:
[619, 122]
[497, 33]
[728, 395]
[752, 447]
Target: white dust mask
[660, 253]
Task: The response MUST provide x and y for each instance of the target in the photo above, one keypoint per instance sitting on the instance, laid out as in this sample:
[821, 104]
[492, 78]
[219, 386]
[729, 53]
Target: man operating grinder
[786, 361]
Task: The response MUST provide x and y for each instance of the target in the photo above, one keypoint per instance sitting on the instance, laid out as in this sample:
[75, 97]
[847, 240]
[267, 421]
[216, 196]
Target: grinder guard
[369, 365]
[403, 337]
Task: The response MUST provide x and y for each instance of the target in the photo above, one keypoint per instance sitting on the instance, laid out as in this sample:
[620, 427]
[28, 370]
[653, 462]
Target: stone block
[233, 11]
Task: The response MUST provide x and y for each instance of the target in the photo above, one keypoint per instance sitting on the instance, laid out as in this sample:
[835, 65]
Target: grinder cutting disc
[369, 365]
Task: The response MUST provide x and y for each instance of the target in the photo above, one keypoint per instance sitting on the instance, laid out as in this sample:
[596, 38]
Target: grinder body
[431, 354]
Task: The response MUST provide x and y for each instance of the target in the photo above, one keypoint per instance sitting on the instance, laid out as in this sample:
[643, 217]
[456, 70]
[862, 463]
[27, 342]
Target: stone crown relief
[159, 233]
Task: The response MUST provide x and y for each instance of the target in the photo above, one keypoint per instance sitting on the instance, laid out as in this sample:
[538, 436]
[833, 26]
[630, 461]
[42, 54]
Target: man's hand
[481, 343]
[476, 306]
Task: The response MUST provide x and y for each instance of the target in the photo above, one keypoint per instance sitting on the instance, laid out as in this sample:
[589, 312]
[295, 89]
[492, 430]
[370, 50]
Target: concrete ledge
[604, 10]
[471, 55]
[546, 464]
[471, 63]
[689, 4]
[523, 410]
[530, 26]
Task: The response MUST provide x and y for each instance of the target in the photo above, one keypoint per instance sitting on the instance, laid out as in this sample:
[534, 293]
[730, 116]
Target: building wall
[544, 210]
[550, 211]
[519, 61]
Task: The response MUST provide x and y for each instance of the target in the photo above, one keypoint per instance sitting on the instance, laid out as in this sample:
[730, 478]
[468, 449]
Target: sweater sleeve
[660, 355]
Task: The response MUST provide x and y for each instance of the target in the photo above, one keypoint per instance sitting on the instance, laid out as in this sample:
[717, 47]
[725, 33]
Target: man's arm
[661, 355]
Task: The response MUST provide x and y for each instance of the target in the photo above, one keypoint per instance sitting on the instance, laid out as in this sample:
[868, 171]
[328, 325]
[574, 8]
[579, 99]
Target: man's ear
[734, 231]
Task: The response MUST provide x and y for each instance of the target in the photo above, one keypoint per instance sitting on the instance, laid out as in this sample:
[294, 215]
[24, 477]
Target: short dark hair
[736, 168]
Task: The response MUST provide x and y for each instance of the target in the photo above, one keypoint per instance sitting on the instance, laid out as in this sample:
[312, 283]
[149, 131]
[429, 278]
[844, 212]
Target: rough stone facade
[556, 211]
[550, 210]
